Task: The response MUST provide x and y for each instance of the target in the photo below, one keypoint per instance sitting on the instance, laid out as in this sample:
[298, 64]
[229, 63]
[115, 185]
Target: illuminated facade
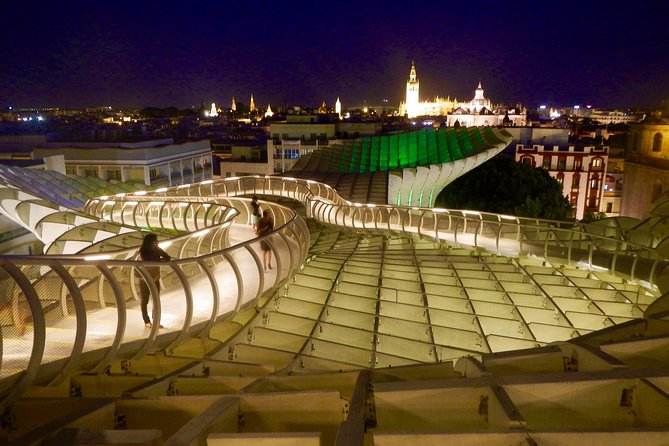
[478, 112]
[153, 163]
[646, 167]
[580, 170]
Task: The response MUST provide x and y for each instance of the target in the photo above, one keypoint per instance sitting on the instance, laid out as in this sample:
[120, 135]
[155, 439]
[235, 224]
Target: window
[527, 160]
[562, 163]
[609, 207]
[560, 180]
[90, 173]
[547, 163]
[657, 142]
[114, 174]
[578, 164]
[593, 184]
[154, 173]
[597, 163]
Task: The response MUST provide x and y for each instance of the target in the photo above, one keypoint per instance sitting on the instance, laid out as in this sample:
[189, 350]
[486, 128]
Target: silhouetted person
[255, 213]
[265, 225]
[150, 251]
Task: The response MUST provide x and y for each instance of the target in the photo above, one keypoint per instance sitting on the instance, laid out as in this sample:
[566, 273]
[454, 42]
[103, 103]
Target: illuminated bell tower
[338, 107]
[252, 106]
[412, 107]
[234, 104]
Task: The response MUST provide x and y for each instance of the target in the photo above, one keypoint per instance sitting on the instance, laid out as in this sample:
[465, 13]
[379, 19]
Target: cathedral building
[479, 111]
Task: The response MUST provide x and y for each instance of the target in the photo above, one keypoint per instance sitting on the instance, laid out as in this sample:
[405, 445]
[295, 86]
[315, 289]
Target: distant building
[646, 166]
[581, 170]
[153, 163]
[240, 157]
[615, 116]
[478, 112]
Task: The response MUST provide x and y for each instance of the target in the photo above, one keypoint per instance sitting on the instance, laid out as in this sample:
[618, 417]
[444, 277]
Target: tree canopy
[503, 186]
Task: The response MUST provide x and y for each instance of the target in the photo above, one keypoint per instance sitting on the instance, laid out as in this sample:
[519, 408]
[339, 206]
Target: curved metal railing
[71, 313]
[80, 303]
[557, 241]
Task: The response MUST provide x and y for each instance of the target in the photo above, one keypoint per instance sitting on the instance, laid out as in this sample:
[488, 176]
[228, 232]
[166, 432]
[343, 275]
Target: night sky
[141, 53]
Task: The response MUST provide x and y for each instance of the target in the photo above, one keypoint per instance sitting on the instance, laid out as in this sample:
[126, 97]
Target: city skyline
[68, 55]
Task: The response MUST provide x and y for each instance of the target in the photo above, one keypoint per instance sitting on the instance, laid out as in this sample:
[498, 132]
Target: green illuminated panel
[443, 155]
[412, 149]
[422, 147]
[465, 144]
[412, 153]
[354, 162]
[365, 154]
[454, 146]
[374, 154]
[403, 153]
[393, 153]
[477, 140]
[384, 153]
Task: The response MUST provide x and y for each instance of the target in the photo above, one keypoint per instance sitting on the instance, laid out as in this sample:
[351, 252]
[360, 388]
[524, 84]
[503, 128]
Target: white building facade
[580, 170]
[153, 163]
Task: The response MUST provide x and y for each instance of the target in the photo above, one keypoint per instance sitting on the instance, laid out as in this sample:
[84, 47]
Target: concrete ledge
[266, 439]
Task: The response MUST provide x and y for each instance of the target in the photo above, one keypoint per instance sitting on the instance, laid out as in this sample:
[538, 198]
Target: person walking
[150, 252]
[255, 213]
[265, 226]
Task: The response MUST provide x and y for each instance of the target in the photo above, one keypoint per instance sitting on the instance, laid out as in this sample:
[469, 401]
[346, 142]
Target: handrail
[112, 273]
[199, 244]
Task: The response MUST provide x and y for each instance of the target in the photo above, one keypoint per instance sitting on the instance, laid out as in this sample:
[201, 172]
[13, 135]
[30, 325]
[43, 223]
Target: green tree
[503, 186]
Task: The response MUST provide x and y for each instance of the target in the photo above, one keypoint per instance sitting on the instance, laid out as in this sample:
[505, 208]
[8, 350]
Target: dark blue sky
[72, 54]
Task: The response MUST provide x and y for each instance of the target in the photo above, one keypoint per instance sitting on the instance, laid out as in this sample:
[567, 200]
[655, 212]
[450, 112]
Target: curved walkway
[85, 305]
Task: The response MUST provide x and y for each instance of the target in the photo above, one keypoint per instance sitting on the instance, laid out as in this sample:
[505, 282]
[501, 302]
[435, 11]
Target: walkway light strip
[98, 257]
